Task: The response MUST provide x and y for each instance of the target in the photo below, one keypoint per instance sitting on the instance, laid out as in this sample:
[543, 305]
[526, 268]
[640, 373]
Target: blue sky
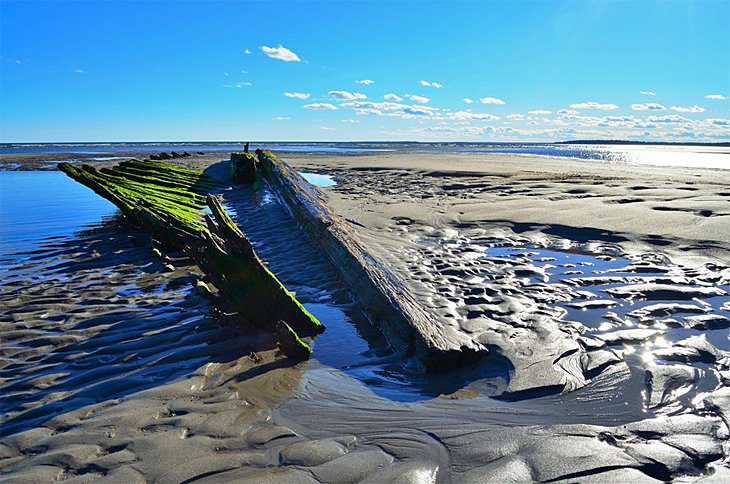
[476, 71]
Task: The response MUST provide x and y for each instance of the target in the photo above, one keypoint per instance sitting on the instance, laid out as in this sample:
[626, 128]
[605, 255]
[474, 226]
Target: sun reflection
[647, 357]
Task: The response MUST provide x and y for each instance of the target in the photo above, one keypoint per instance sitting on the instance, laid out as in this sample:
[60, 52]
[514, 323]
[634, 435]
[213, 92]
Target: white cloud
[320, 106]
[669, 118]
[238, 85]
[366, 82]
[346, 96]
[384, 106]
[390, 109]
[467, 115]
[351, 121]
[393, 97]
[297, 95]
[516, 117]
[282, 118]
[593, 105]
[417, 99]
[418, 111]
[648, 93]
[709, 96]
[281, 53]
[247, 52]
[18, 61]
[327, 128]
[431, 84]
[79, 71]
[490, 100]
[718, 121]
[468, 100]
[693, 109]
[539, 111]
[648, 107]
[568, 113]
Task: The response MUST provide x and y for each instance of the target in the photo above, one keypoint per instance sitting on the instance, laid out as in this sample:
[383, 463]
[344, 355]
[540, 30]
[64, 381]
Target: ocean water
[692, 156]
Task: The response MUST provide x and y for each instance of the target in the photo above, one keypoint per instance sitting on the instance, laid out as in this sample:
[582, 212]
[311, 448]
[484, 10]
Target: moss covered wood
[383, 297]
[169, 200]
[243, 167]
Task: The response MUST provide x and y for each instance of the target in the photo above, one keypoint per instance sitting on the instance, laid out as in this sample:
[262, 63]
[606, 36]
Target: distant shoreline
[642, 143]
[365, 142]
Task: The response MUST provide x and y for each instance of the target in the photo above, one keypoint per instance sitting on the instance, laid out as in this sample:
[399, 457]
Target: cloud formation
[281, 53]
[468, 100]
[346, 95]
[247, 52]
[594, 105]
[692, 109]
[79, 71]
[491, 100]
[539, 111]
[648, 107]
[431, 84]
[719, 121]
[393, 109]
[282, 118]
[297, 95]
[321, 106]
[238, 85]
[417, 99]
[648, 93]
[715, 96]
[366, 82]
[393, 97]
[468, 115]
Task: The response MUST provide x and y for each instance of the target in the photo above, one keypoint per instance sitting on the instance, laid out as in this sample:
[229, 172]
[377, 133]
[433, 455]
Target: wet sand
[570, 272]
[682, 212]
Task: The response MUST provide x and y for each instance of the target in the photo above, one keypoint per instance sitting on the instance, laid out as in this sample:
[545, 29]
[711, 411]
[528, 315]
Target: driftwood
[383, 297]
[168, 200]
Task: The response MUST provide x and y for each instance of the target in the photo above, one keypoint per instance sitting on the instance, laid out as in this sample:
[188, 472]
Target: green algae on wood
[245, 281]
[169, 201]
[243, 167]
[290, 344]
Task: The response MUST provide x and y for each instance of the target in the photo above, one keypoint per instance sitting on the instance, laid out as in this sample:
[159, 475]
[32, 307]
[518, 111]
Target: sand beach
[599, 291]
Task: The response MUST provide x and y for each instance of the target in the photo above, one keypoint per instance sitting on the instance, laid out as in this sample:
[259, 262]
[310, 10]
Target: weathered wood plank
[383, 297]
[169, 201]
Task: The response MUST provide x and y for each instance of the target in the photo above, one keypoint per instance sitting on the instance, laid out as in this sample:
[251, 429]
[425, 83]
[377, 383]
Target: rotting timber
[169, 201]
[383, 297]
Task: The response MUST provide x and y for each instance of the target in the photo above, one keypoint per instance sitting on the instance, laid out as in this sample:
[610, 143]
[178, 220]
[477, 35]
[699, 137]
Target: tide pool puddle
[319, 180]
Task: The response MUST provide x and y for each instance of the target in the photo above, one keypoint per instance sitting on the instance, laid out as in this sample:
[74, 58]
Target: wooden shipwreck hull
[383, 297]
[169, 200]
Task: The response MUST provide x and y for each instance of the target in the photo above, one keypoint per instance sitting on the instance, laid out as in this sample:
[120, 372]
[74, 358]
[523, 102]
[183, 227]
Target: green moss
[169, 200]
[243, 167]
[290, 343]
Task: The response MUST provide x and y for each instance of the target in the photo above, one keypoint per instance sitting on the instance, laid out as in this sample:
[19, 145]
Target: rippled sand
[620, 325]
